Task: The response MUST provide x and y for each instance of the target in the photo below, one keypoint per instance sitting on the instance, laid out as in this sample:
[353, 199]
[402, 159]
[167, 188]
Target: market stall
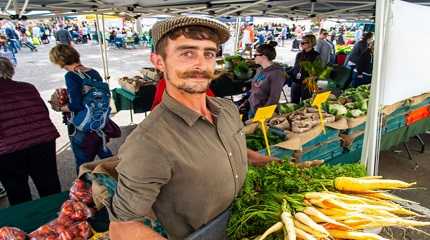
[297, 136]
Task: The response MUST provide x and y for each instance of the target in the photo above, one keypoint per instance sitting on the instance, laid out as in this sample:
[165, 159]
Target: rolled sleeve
[143, 171]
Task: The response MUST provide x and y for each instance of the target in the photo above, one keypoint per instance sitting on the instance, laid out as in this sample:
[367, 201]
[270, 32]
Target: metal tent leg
[408, 151]
[420, 140]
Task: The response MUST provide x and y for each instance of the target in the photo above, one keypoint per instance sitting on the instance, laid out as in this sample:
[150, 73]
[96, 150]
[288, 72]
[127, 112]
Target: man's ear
[157, 61]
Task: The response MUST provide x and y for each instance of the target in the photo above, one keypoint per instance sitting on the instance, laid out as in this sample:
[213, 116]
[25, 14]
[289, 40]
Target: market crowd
[187, 161]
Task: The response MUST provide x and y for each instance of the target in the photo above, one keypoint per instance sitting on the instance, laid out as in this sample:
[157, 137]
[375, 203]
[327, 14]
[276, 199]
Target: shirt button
[237, 176]
[230, 154]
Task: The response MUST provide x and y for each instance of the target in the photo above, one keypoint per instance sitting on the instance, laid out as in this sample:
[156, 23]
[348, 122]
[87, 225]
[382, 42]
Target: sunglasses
[258, 54]
[302, 43]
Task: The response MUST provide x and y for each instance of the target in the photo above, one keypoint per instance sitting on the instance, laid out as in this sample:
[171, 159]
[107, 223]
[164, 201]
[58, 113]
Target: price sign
[318, 101]
[260, 116]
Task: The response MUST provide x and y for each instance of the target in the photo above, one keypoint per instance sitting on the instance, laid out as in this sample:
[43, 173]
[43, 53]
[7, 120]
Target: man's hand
[132, 230]
[258, 160]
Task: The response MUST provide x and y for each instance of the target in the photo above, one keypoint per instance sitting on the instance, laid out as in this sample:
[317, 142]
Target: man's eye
[187, 54]
[210, 55]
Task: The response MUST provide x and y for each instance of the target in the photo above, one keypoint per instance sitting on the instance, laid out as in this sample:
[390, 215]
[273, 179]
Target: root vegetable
[318, 217]
[274, 228]
[355, 235]
[350, 184]
[289, 225]
[305, 219]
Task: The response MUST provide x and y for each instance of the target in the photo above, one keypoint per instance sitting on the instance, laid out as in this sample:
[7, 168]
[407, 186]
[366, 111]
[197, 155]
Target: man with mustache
[187, 161]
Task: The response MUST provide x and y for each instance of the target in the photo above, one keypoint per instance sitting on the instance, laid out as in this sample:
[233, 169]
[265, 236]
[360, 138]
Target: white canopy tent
[296, 9]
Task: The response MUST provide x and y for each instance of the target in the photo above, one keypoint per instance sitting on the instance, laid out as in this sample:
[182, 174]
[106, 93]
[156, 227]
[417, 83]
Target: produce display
[71, 223]
[343, 49]
[11, 233]
[352, 103]
[301, 120]
[239, 66]
[149, 76]
[256, 142]
[315, 70]
[57, 230]
[81, 191]
[281, 201]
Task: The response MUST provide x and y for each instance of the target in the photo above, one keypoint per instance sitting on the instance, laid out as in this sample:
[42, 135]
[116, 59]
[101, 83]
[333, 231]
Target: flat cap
[163, 27]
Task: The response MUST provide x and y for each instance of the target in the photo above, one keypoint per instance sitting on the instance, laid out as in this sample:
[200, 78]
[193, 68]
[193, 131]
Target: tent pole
[101, 40]
[106, 64]
[237, 33]
[371, 146]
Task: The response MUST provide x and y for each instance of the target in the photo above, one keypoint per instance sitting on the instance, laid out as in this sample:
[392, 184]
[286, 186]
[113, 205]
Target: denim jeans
[86, 146]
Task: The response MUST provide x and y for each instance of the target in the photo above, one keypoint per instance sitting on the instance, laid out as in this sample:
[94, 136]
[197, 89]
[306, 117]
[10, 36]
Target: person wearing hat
[187, 161]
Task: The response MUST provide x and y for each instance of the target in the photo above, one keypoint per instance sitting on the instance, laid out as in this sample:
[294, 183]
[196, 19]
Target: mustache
[196, 74]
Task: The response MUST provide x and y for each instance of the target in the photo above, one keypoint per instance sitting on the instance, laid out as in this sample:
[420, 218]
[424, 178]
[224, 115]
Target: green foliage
[256, 141]
[266, 189]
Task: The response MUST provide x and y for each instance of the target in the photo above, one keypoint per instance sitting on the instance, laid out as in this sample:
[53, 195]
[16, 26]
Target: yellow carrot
[305, 219]
[392, 222]
[350, 184]
[372, 177]
[274, 228]
[319, 217]
[355, 235]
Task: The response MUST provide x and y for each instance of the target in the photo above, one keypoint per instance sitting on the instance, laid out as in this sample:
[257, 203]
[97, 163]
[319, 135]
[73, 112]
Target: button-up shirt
[185, 168]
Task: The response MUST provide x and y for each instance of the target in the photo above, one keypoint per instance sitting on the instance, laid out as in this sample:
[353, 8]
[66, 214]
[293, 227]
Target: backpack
[96, 110]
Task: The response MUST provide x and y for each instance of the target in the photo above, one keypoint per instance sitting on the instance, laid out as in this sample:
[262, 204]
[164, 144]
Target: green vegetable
[337, 109]
[355, 113]
[287, 107]
[256, 141]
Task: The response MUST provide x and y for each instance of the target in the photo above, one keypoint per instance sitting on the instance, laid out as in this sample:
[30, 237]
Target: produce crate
[401, 111]
[330, 133]
[278, 152]
[331, 155]
[394, 123]
[321, 151]
[356, 144]
[358, 128]
[421, 104]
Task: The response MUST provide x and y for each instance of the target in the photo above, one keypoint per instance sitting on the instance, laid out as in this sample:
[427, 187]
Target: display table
[29, 216]
[140, 102]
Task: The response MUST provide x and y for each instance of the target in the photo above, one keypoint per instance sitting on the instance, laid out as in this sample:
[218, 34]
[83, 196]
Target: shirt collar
[189, 116]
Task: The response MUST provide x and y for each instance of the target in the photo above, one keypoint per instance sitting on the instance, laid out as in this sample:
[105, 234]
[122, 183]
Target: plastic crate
[421, 104]
[394, 123]
[312, 153]
[330, 133]
[278, 152]
[331, 155]
[356, 144]
[401, 111]
[358, 128]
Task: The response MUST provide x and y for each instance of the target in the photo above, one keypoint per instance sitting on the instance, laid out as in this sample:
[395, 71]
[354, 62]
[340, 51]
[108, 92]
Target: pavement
[36, 69]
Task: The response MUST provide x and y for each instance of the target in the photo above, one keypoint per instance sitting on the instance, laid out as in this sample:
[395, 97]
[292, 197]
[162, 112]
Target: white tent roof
[279, 8]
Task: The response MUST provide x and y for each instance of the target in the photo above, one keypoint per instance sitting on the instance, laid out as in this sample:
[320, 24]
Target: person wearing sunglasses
[268, 81]
[323, 46]
[299, 91]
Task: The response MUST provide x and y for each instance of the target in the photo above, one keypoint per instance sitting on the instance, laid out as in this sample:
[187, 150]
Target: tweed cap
[163, 27]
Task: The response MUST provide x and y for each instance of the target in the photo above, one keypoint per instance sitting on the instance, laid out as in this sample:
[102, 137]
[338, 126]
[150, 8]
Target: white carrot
[274, 228]
[305, 219]
[287, 219]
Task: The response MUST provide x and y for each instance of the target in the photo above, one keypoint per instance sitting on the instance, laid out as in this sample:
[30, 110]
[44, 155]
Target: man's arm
[132, 230]
[139, 181]
[256, 159]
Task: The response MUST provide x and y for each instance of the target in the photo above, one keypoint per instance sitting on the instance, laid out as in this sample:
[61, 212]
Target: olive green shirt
[185, 168]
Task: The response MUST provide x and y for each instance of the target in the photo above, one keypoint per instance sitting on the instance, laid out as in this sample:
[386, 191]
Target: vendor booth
[319, 185]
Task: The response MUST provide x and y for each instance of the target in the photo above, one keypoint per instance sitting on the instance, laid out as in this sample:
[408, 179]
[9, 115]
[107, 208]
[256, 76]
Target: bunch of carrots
[358, 204]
